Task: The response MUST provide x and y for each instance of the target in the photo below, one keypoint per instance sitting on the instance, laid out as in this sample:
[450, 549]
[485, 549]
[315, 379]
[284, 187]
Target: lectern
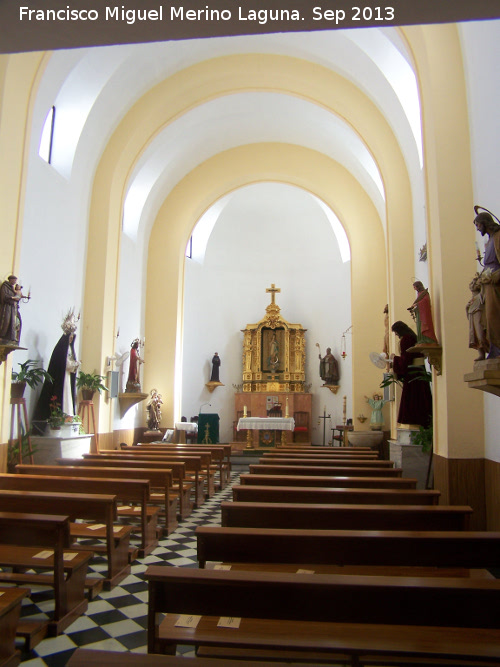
[210, 435]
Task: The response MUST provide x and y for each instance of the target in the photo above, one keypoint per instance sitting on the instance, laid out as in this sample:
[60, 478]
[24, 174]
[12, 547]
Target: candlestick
[286, 408]
[244, 411]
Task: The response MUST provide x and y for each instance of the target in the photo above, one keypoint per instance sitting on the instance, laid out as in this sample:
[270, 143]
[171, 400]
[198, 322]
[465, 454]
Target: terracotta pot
[88, 394]
[17, 389]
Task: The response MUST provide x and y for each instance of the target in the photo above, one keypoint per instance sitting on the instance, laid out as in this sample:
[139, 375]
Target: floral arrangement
[57, 417]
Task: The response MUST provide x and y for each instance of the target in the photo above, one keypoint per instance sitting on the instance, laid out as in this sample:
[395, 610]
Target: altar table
[180, 430]
[250, 424]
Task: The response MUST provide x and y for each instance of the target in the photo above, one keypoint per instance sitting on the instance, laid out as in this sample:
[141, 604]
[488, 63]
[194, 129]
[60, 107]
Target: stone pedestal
[371, 439]
[48, 448]
[411, 459]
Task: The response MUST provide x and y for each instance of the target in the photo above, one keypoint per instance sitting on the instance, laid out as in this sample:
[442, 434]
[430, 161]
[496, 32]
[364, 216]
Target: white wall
[267, 233]
[481, 44]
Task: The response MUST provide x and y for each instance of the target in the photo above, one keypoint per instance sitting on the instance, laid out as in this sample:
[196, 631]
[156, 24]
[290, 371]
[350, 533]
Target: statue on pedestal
[10, 317]
[421, 313]
[329, 368]
[489, 278]
[133, 381]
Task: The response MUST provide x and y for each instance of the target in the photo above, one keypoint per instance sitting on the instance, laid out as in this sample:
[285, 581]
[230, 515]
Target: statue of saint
[478, 339]
[133, 382]
[490, 278]
[154, 411]
[62, 369]
[329, 368]
[10, 317]
[421, 313]
[274, 349]
[214, 377]
[377, 419]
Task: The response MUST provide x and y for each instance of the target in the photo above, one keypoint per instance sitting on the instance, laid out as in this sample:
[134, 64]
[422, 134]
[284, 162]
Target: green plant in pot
[56, 417]
[89, 383]
[30, 374]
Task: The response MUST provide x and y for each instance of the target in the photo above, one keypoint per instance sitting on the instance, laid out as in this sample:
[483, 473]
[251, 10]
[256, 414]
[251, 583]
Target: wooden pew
[221, 455]
[330, 471]
[178, 470]
[24, 537]
[202, 476]
[318, 449]
[436, 549]
[324, 480]
[10, 610]
[160, 481]
[192, 468]
[127, 491]
[316, 455]
[335, 496]
[345, 517]
[346, 462]
[335, 613]
[87, 658]
[100, 508]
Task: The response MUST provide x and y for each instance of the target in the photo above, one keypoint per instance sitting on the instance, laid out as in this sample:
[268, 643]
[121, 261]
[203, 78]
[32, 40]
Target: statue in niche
[274, 349]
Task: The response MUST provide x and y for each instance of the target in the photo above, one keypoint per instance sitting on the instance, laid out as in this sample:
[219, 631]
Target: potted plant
[89, 383]
[30, 374]
[57, 417]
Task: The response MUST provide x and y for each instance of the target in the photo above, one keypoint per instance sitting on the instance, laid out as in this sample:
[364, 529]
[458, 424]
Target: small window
[45, 149]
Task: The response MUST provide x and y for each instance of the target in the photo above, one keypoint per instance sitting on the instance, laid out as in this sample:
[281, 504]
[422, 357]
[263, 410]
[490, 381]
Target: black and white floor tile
[116, 620]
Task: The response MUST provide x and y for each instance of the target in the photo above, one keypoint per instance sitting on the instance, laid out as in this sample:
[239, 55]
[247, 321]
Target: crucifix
[272, 290]
[324, 418]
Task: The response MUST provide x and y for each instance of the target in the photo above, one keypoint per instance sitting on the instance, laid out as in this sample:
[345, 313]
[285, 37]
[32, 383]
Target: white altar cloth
[266, 424]
[190, 427]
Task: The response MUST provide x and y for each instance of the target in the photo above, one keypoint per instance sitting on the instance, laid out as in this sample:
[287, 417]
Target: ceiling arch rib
[124, 73]
[220, 124]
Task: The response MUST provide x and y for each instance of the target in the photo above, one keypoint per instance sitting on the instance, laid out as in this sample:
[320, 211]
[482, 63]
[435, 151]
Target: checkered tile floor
[116, 620]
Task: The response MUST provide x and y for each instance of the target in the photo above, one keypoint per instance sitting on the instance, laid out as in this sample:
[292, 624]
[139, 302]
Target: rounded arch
[233, 169]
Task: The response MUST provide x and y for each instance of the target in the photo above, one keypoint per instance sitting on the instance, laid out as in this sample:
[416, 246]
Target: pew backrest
[316, 469]
[345, 517]
[334, 482]
[467, 549]
[325, 495]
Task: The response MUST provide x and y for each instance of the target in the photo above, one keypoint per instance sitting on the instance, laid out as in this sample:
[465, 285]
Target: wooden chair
[301, 430]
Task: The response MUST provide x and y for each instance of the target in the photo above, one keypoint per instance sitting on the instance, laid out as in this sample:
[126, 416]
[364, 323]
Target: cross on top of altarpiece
[273, 290]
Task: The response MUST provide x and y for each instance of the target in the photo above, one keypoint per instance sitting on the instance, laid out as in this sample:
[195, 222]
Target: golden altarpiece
[274, 373]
